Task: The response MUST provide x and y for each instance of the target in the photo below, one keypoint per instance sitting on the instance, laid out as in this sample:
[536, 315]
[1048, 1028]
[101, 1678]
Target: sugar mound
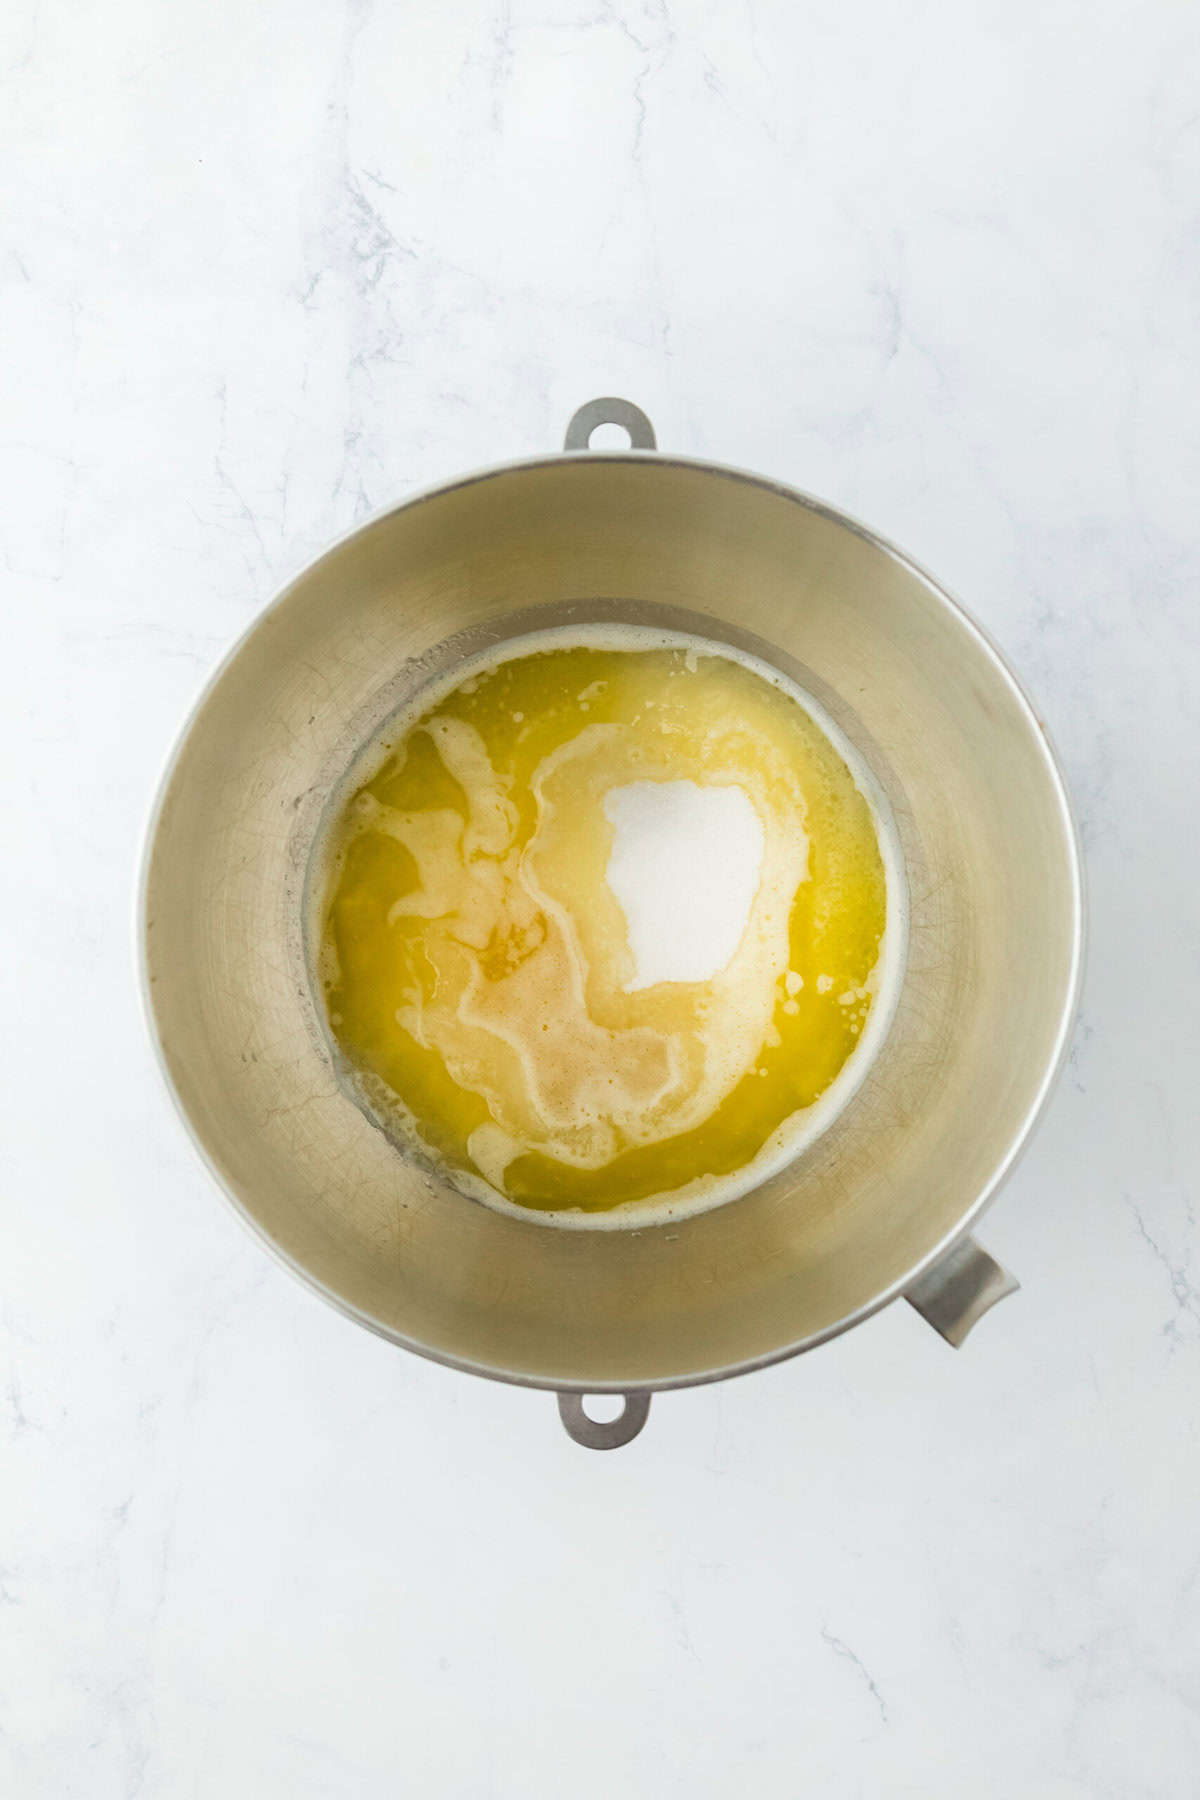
[685, 867]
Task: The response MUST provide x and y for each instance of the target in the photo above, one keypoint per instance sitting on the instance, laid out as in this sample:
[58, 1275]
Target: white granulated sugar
[685, 865]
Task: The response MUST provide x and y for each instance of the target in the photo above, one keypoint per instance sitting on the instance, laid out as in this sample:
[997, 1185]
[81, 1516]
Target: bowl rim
[1021, 1138]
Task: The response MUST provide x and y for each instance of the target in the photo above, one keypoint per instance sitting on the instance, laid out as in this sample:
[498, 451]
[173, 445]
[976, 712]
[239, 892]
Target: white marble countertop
[266, 267]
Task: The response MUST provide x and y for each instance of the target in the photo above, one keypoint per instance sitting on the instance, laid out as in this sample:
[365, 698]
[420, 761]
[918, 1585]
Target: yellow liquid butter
[609, 928]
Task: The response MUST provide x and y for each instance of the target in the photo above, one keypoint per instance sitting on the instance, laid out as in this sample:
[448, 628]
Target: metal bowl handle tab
[603, 1434]
[963, 1285]
[610, 411]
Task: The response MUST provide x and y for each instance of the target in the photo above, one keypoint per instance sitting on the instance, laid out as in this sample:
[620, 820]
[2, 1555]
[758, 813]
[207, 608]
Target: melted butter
[483, 943]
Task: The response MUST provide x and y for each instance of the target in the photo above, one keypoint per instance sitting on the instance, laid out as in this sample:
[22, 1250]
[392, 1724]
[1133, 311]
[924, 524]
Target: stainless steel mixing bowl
[879, 1206]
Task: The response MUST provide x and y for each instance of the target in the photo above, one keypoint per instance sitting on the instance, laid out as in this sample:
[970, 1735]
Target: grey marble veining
[265, 268]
